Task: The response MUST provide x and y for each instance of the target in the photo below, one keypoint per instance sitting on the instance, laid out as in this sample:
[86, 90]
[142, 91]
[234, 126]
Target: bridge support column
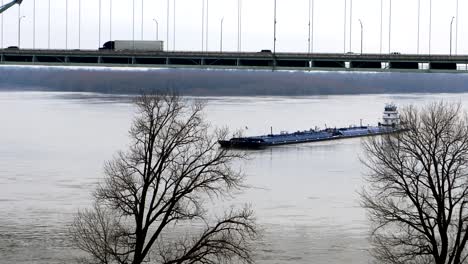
[238, 62]
[99, 60]
[202, 61]
[133, 60]
[34, 59]
[67, 59]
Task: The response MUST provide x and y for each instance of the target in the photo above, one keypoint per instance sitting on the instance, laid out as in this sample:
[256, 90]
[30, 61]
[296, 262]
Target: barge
[390, 124]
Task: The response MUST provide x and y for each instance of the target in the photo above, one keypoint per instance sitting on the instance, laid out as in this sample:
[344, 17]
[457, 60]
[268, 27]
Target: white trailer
[139, 45]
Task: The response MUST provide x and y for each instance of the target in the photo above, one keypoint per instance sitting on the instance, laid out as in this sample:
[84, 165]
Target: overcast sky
[257, 24]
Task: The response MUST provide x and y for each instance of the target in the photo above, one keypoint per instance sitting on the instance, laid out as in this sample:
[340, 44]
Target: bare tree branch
[172, 164]
[418, 186]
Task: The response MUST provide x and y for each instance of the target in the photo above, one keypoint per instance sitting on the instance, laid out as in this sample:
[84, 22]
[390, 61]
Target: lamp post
[344, 30]
[274, 30]
[207, 23]
[167, 24]
[221, 36]
[451, 27]
[142, 17]
[381, 25]
[430, 25]
[99, 37]
[66, 24]
[362, 34]
[157, 28]
[390, 28]
[48, 28]
[2, 29]
[174, 27]
[456, 31]
[311, 27]
[79, 24]
[203, 27]
[350, 25]
[110, 20]
[34, 23]
[19, 30]
[419, 23]
[239, 25]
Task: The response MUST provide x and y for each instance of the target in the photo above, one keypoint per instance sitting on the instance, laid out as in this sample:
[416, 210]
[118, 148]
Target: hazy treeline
[226, 82]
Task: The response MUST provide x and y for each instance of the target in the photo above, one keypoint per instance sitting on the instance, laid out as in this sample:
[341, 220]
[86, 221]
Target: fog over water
[53, 146]
[219, 82]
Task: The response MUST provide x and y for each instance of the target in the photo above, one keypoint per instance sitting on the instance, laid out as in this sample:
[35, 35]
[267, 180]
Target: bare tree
[418, 186]
[171, 167]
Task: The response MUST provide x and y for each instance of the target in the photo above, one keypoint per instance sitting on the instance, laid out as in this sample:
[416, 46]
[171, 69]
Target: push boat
[390, 124]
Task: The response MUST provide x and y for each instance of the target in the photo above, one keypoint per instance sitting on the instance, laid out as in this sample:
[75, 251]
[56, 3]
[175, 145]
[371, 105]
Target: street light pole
[174, 27]
[311, 27]
[48, 29]
[79, 24]
[167, 25]
[34, 23]
[430, 25]
[419, 23]
[66, 23]
[207, 21]
[2, 29]
[221, 36]
[100, 12]
[390, 27]
[110, 20]
[456, 31]
[239, 25]
[274, 30]
[362, 34]
[381, 25]
[203, 27]
[142, 17]
[133, 25]
[19, 30]
[451, 26]
[157, 28]
[344, 31]
[350, 25]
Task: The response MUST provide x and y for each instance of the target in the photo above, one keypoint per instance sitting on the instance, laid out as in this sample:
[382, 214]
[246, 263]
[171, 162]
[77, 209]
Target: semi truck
[137, 45]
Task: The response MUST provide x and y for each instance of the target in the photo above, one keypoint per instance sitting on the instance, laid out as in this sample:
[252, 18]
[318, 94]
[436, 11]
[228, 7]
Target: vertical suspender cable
[419, 23]
[350, 25]
[456, 32]
[174, 29]
[381, 25]
[390, 27]
[203, 26]
[48, 28]
[345, 26]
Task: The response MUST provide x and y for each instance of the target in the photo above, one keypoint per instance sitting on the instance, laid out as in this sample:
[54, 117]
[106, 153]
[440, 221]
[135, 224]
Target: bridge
[237, 60]
[323, 57]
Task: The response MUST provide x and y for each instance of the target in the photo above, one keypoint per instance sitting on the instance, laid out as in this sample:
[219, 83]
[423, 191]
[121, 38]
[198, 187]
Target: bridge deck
[253, 60]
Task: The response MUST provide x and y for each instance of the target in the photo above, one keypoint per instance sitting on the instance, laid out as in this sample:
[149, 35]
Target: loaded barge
[391, 122]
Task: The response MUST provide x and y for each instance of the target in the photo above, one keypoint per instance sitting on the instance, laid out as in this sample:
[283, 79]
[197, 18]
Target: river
[53, 146]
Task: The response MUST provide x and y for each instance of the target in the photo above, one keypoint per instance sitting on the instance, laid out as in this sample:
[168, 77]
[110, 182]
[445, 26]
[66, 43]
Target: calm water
[53, 145]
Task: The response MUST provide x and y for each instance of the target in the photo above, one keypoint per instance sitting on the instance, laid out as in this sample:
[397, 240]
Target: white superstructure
[391, 116]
